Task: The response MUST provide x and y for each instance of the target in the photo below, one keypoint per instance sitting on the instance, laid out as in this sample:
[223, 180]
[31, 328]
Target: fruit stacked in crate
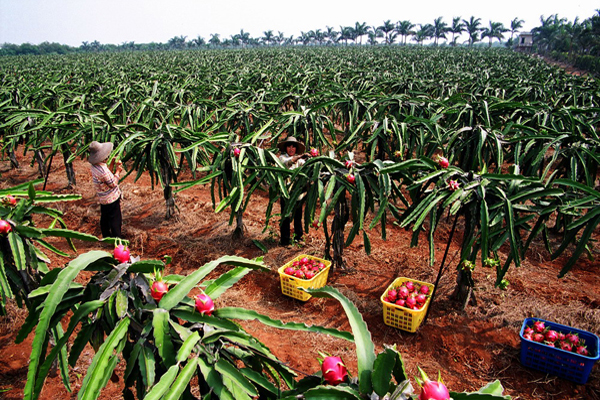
[405, 303]
[303, 271]
[559, 350]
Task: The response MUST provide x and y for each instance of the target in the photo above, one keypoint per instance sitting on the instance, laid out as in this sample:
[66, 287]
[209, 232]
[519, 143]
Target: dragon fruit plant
[379, 376]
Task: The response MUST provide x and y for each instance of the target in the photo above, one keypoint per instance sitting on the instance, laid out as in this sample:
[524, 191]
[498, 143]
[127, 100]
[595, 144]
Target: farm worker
[107, 189]
[292, 156]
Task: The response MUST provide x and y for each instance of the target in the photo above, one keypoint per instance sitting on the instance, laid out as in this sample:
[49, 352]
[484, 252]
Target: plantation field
[469, 348]
[484, 162]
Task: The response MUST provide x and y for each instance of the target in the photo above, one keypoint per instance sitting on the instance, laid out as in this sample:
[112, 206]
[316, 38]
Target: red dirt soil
[470, 348]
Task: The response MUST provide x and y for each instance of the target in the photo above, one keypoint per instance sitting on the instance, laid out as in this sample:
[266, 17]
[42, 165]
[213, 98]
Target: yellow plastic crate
[401, 317]
[290, 284]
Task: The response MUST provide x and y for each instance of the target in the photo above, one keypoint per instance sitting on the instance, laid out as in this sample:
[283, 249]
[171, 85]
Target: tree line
[555, 36]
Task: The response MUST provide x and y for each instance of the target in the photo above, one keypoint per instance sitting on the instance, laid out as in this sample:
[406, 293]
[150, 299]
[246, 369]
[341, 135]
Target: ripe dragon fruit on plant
[204, 304]
[443, 162]
[432, 390]
[4, 227]
[121, 253]
[159, 288]
[334, 370]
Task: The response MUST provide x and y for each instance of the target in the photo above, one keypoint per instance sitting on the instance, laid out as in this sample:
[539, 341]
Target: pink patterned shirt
[106, 184]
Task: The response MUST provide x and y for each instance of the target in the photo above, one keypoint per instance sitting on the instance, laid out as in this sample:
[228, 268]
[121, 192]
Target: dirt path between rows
[469, 348]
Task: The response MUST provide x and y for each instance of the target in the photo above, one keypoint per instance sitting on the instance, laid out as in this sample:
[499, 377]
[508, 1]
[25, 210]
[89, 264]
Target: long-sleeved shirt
[286, 159]
[106, 184]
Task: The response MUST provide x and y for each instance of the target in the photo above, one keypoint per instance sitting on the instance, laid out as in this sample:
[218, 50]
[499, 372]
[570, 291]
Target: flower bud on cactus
[432, 390]
[121, 253]
[9, 201]
[453, 185]
[204, 304]
[236, 152]
[314, 152]
[334, 370]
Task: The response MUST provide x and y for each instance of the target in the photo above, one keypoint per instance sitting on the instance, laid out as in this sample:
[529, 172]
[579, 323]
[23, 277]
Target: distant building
[524, 41]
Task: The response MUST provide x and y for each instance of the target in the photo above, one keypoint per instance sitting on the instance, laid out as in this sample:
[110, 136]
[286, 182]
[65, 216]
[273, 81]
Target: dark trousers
[111, 219]
[284, 227]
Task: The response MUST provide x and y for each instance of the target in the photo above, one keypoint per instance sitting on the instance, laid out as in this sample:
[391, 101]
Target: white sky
[143, 21]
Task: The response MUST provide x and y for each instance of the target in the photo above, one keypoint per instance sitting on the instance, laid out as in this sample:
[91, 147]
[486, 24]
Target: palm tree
[457, 28]
[319, 36]
[373, 34]
[515, 25]
[289, 41]
[177, 42]
[472, 28]
[235, 40]
[198, 42]
[496, 30]
[404, 28]
[571, 35]
[439, 29]
[244, 37]
[304, 38]
[423, 33]
[346, 33]
[268, 37]
[331, 35]
[372, 37]
[361, 30]
[214, 39]
[280, 38]
[387, 28]
[545, 35]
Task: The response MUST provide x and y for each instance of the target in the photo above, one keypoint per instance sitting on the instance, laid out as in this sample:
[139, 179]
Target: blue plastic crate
[555, 361]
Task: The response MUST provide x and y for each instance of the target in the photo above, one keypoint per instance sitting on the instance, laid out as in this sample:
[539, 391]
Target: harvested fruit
[409, 294]
[567, 341]
[305, 268]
